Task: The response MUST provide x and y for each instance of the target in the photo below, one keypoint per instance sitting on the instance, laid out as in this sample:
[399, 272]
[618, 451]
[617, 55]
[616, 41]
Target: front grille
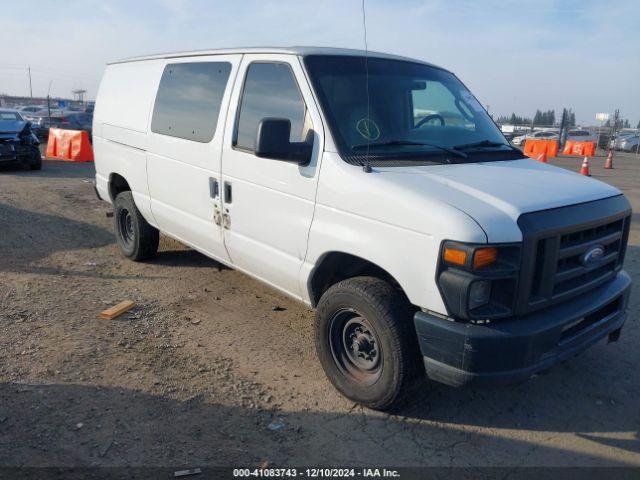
[554, 268]
[570, 273]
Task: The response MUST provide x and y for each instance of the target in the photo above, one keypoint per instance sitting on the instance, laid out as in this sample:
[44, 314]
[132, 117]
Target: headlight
[478, 281]
[479, 294]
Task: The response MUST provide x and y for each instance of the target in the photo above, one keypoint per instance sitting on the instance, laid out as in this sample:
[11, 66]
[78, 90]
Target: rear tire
[137, 239]
[366, 341]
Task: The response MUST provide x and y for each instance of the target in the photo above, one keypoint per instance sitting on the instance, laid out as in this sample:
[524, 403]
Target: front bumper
[18, 156]
[511, 350]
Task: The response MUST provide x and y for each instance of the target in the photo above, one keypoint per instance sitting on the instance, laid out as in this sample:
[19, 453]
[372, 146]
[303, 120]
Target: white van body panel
[398, 217]
[284, 218]
[495, 194]
[120, 122]
[179, 174]
[273, 201]
[395, 227]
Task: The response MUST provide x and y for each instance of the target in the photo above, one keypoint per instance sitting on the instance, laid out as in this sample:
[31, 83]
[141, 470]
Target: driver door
[268, 204]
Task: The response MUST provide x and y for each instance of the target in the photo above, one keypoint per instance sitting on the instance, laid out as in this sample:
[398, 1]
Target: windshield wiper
[392, 143]
[484, 143]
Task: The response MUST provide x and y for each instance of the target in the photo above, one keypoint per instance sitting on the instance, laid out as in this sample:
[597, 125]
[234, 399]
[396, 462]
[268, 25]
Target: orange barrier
[535, 148]
[582, 149]
[70, 145]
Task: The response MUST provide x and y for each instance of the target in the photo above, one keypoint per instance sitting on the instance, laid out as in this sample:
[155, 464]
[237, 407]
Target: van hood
[496, 193]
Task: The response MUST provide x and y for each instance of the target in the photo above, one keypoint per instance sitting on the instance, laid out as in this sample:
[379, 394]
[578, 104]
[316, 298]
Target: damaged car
[19, 145]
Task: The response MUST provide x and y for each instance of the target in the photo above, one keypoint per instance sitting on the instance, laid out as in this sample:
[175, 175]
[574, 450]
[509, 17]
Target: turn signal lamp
[483, 257]
[455, 256]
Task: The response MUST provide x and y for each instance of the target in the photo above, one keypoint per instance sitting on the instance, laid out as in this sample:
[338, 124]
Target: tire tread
[395, 309]
[147, 237]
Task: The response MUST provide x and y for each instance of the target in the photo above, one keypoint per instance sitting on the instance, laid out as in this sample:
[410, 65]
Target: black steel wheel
[366, 341]
[355, 347]
[125, 227]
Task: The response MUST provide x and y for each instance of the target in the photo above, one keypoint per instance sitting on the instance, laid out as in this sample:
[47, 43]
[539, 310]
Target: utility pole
[613, 129]
[561, 134]
[49, 105]
[30, 85]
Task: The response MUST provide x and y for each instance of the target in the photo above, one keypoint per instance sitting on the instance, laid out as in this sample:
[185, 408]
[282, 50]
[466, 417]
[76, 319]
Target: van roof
[302, 51]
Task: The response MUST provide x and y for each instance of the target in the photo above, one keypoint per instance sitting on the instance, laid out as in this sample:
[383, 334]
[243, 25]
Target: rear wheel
[137, 239]
[366, 341]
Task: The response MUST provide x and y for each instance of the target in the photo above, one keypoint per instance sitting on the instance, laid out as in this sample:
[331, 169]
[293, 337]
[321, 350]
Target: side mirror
[272, 141]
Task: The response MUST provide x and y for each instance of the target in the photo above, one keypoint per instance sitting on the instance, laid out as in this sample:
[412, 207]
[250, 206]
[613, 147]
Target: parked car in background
[581, 135]
[540, 135]
[43, 113]
[77, 121]
[18, 144]
[27, 110]
[66, 121]
[616, 142]
[629, 143]
[37, 119]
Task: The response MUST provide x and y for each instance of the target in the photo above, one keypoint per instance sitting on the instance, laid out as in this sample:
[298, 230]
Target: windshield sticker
[470, 100]
[368, 129]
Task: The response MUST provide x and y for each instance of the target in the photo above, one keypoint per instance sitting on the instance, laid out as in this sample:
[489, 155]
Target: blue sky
[514, 55]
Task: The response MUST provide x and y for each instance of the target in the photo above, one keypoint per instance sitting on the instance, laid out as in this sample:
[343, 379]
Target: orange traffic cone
[608, 164]
[542, 157]
[584, 170]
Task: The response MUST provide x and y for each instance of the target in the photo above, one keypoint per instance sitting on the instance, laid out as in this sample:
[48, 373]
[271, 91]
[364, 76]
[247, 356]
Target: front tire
[137, 239]
[37, 162]
[366, 341]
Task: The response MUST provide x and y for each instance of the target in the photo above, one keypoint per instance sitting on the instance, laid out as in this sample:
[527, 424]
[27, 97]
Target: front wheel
[137, 239]
[366, 341]
[36, 163]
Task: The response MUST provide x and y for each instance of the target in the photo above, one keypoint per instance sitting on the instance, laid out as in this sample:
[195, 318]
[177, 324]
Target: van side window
[188, 100]
[270, 90]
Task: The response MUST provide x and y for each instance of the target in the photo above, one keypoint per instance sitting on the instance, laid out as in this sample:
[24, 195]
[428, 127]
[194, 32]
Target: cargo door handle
[214, 188]
[228, 198]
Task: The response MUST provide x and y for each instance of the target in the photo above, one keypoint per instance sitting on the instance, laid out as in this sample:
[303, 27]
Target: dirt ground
[207, 371]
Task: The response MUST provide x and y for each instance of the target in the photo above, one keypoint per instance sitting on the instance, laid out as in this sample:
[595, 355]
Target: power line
[49, 71]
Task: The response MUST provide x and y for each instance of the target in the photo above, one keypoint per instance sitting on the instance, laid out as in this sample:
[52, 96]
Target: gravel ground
[207, 371]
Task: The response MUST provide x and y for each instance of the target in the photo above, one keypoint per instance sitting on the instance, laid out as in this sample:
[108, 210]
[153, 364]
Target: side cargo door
[268, 204]
[186, 129]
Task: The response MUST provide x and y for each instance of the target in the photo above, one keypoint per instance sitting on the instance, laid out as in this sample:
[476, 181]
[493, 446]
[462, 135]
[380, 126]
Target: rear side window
[188, 100]
[270, 90]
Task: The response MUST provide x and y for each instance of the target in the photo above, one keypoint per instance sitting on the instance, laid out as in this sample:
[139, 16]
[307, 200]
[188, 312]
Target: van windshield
[414, 112]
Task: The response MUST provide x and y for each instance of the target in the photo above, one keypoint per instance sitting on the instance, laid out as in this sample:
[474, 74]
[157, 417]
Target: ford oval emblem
[592, 256]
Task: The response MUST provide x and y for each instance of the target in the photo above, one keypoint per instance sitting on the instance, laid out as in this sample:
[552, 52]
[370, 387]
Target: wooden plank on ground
[116, 310]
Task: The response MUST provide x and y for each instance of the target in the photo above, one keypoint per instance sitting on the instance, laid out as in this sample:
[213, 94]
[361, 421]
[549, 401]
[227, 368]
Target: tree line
[548, 118]
[620, 123]
[541, 118]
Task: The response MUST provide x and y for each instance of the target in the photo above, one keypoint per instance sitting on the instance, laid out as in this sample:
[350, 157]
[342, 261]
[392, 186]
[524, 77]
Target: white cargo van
[376, 189]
